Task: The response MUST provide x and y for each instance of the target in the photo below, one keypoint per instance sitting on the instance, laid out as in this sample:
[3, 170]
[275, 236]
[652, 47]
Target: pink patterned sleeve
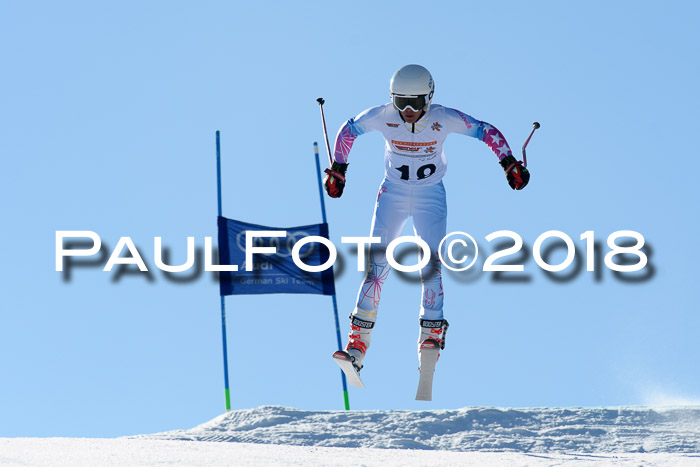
[495, 140]
[343, 142]
[458, 122]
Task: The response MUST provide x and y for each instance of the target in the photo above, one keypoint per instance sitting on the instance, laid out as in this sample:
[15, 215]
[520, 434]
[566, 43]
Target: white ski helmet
[412, 86]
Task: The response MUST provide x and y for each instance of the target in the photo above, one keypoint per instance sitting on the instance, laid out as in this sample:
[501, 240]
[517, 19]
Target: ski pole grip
[335, 174]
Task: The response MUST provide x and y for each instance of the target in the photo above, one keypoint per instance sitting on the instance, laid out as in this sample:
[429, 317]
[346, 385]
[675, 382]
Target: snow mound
[545, 430]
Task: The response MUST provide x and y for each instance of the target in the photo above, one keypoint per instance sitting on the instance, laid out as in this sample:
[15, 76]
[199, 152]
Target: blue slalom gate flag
[272, 272]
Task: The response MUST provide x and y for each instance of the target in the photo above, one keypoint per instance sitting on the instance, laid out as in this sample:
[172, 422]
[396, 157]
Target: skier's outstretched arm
[459, 122]
[367, 121]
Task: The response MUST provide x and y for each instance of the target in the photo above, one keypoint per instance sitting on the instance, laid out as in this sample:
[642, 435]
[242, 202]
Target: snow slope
[576, 430]
[75, 452]
[273, 435]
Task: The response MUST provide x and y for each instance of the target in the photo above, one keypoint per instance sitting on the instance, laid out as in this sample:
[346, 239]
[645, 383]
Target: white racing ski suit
[412, 187]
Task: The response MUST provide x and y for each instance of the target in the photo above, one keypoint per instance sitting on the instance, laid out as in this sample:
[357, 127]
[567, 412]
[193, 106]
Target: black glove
[518, 176]
[335, 179]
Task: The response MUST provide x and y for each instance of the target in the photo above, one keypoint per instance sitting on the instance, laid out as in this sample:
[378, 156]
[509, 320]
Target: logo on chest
[436, 126]
[410, 146]
[393, 125]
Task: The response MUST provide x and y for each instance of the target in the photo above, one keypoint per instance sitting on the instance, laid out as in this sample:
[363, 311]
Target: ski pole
[535, 126]
[322, 101]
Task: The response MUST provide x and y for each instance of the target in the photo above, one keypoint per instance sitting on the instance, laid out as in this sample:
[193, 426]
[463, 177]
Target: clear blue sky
[107, 123]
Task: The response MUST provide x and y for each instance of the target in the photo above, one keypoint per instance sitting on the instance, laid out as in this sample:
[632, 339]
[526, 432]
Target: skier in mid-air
[414, 131]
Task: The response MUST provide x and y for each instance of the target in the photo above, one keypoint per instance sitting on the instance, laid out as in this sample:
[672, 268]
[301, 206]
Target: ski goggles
[416, 103]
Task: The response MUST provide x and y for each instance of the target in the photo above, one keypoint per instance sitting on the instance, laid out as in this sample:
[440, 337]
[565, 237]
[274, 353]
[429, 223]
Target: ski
[429, 351]
[344, 361]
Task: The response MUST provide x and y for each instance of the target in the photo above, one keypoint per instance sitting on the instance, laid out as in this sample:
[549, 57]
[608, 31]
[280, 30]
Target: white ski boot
[350, 359]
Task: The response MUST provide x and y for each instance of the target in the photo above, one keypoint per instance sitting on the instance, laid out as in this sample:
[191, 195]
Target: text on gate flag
[272, 272]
